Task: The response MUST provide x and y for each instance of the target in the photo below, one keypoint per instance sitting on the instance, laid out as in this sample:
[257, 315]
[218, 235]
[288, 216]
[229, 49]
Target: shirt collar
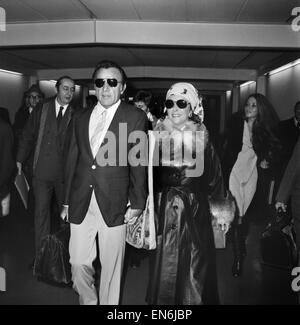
[57, 105]
[114, 107]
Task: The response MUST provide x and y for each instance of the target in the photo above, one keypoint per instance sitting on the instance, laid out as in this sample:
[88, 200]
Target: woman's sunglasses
[181, 103]
[99, 83]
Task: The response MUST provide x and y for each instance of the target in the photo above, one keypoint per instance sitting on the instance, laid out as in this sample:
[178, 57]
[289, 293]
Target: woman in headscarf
[187, 181]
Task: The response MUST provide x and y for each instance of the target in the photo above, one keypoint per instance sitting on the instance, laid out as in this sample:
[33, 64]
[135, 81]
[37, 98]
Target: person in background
[142, 100]
[290, 188]
[251, 161]
[183, 266]
[91, 101]
[96, 193]
[7, 165]
[32, 97]
[288, 132]
[45, 134]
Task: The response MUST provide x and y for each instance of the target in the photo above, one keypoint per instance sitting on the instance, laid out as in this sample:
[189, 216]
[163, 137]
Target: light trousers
[83, 251]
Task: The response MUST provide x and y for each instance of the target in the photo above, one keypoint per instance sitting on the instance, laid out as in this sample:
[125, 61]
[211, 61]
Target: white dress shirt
[58, 106]
[95, 119]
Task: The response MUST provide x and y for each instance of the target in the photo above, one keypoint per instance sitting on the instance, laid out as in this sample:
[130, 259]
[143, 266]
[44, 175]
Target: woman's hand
[223, 225]
[280, 205]
[264, 164]
[64, 214]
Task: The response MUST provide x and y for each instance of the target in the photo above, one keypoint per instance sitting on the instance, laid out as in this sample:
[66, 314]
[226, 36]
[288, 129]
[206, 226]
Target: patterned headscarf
[190, 94]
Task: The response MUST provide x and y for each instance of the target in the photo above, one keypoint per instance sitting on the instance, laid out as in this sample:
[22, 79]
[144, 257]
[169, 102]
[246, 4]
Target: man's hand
[131, 215]
[64, 214]
[19, 167]
[281, 205]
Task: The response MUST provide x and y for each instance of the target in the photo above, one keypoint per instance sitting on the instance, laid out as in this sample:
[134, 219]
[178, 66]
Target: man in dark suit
[288, 132]
[97, 190]
[7, 162]
[45, 134]
[32, 97]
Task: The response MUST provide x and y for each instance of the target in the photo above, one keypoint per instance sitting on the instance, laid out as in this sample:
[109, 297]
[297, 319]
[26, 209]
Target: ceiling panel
[17, 11]
[228, 59]
[59, 9]
[258, 59]
[81, 57]
[112, 9]
[213, 10]
[174, 57]
[166, 10]
[38, 10]
[10, 61]
[268, 11]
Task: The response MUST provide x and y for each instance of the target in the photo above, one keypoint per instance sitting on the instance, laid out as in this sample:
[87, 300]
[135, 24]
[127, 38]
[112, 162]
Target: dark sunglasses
[111, 82]
[181, 103]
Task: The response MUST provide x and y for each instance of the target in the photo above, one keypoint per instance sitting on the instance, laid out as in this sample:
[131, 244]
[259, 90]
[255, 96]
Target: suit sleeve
[71, 161]
[7, 163]
[138, 174]
[289, 177]
[28, 136]
[213, 172]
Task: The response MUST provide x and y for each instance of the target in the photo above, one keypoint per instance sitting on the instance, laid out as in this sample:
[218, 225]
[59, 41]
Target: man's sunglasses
[181, 103]
[111, 82]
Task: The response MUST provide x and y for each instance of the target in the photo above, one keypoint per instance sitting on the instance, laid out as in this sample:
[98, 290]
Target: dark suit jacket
[29, 139]
[290, 183]
[7, 161]
[113, 185]
[288, 135]
[21, 118]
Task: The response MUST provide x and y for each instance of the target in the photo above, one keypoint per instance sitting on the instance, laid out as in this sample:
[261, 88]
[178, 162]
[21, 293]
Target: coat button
[173, 226]
[93, 166]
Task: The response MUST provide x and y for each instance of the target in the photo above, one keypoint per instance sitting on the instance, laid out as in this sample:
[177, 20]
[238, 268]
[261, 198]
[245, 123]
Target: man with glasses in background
[31, 99]
[96, 195]
[45, 134]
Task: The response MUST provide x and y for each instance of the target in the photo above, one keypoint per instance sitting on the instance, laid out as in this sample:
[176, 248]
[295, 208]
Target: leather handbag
[52, 261]
[142, 234]
[278, 247]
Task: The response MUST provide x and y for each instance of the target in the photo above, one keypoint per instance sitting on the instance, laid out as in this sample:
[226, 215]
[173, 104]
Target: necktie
[59, 116]
[98, 132]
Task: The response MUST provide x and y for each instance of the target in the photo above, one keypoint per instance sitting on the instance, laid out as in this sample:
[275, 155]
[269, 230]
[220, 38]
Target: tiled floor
[258, 285]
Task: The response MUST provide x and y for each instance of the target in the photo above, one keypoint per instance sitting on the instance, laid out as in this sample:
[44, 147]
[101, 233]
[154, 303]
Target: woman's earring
[190, 114]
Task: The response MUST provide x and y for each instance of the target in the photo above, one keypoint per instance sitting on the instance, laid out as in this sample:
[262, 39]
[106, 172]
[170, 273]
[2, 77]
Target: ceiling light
[246, 83]
[284, 67]
[11, 72]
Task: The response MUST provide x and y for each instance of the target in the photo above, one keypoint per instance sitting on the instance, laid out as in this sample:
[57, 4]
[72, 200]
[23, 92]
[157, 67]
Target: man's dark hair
[298, 103]
[143, 96]
[106, 64]
[58, 82]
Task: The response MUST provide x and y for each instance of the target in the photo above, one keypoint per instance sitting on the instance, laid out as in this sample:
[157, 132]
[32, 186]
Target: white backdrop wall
[283, 90]
[245, 91]
[48, 88]
[12, 88]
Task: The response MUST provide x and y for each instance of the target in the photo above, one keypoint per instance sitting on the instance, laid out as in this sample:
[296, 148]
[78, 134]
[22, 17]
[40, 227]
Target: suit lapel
[85, 130]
